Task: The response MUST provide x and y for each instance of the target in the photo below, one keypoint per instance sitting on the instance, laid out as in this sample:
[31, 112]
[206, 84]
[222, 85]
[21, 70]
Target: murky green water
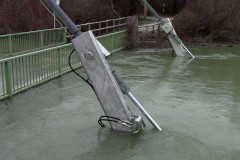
[197, 103]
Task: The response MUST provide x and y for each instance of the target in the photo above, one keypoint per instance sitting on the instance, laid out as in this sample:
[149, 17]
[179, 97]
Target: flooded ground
[196, 102]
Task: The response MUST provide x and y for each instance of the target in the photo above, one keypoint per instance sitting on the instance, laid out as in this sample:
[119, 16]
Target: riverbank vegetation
[200, 20]
[203, 21]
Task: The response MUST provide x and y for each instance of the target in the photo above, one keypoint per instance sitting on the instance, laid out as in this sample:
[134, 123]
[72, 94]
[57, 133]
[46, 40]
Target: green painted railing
[115, 41]
[31, 41]
[27, 70]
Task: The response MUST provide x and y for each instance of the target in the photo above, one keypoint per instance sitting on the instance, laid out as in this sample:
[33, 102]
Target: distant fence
[25, 71]
[105, 26]
[35, 40]
[30, 41]
[149, 28]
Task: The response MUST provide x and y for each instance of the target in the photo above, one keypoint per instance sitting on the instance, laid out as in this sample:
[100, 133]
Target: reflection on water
[196, 102]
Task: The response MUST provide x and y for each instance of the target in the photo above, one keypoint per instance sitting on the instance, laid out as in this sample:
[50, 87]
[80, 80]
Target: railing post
[153, 28]
[112, 47]
[10, 44]
[89, 27]
[65, 35]
[114, 25]
[8, 76]
[107, 26]
[41, 39]
[99, 27]
[80, 27]
[59, 60]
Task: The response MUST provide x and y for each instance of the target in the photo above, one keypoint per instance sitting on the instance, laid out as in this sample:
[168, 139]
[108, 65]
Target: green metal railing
[30, 41]
[27, 70]
[115, 41]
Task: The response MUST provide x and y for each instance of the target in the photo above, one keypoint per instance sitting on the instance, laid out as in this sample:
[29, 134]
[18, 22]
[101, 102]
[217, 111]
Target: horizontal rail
[23, 33]
[105, 26]
[149, 25]
[30, 41]
[22, 72]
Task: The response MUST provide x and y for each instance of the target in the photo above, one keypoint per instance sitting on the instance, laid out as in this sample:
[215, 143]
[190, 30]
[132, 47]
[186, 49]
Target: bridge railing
[24, 71]
[30, 41]
[35, 40]
[103, 27]
[149, 27]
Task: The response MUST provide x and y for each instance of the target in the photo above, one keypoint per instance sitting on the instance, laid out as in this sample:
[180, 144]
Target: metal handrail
[37, 31]
[33, 40]
[24, 71]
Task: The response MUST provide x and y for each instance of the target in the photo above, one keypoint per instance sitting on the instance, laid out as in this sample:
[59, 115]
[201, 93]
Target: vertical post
[8, 76]
[59, 60]
[65, 35]
[112, 44]
[80, 27]
[10, 44]
[107, 26]
[41, 39]
[99, 27]
[114, 25]
[153, 28]
[89, 26]
[54, 14]
[54, 20]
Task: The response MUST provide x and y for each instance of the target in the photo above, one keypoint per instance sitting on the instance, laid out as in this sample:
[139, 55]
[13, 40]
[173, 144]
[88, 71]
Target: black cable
[109, 117]
[113, 119]
[109, 120]
[102, 118]
[69, 63]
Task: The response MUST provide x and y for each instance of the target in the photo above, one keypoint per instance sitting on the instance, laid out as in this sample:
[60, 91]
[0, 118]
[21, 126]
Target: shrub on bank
[204, 20]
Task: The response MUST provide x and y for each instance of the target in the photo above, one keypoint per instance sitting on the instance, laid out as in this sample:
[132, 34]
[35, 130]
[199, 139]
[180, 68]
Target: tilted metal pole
[166, 25]
[63, 17]
[144, 112]
[126, 90]
[100, 75]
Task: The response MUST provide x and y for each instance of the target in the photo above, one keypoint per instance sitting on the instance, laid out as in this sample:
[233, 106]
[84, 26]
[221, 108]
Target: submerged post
[126, 90]
[100, 76]
[177, 44]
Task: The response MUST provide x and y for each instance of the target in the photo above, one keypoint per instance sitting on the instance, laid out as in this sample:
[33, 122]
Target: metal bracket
[167, 27]
[102, 80]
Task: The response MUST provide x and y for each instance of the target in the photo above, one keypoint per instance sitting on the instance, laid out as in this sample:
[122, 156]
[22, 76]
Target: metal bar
[20, 72]
[13, 78]
[23, 69]
[8, 78]
[10, 44]
[16, 72]
[3, 78]
[63, 17]
[190, 54]
[30, 66]
[41, 39]
[59, 60]
[141, 108]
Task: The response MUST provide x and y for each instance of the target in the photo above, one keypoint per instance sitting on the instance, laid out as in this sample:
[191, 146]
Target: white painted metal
[141, 108]
[57, 2]
[103, 81]
[179, 48]
[54, 15]
[103, 49]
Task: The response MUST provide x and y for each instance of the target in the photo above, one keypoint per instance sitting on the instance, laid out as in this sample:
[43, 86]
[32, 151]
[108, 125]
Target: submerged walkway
[195, 102]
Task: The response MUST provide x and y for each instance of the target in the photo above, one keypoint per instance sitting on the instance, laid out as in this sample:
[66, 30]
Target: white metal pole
[54, 20]
[54, 14]
[141, 108]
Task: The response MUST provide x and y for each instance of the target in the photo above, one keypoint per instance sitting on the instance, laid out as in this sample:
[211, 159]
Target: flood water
[196, 103]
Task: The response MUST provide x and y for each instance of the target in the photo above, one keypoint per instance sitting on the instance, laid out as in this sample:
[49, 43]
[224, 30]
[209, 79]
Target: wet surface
[196, 102]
